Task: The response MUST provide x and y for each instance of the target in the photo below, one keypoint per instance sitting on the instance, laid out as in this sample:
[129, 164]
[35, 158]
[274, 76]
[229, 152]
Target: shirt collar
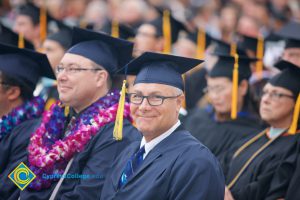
[150, 145]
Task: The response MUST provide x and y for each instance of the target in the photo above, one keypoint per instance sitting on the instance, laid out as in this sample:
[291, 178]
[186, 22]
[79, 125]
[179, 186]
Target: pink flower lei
[49, 154]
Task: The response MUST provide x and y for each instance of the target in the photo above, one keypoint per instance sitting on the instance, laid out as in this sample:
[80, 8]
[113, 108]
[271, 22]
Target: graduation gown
[95, 160]
[220, 136]
[256, 181]
[179, 167]
[13, 151]
[287, 180]
[293, 192]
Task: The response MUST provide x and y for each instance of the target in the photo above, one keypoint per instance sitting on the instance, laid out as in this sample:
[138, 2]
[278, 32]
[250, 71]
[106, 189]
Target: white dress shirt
[150, 145]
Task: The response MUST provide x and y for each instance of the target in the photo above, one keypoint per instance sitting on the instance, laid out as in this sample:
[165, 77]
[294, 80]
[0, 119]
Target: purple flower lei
[28, 110]
[49, 154]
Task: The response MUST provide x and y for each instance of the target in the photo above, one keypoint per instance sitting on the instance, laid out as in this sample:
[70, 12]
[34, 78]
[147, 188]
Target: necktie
[132, 166]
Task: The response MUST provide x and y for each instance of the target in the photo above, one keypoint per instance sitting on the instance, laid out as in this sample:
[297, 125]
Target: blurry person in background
[95, 14]
[132, 12]
[28, 23]
[248, 26]
[228, 21]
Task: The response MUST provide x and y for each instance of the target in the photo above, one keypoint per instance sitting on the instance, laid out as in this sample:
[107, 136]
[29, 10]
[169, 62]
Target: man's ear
[243, 87]
[102, 77]
[13, 93]
[180, 100]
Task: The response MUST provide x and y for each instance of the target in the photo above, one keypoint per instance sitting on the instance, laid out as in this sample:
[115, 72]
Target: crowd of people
[150, 99]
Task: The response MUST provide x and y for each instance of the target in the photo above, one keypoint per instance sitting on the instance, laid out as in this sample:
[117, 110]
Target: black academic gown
[257, 180]
[293, 192]
[179, 167]
[286, 182]
[13, 151]
[96, 159]
[220, 136]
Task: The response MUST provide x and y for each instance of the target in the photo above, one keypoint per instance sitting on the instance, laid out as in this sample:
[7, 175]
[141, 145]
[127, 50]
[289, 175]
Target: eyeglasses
[276, 96]
[153, 100]
[3, 83]
[214, 89]
[73, 70]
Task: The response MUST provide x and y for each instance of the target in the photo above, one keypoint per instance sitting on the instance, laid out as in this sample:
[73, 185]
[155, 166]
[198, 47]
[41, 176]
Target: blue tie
[132, 166]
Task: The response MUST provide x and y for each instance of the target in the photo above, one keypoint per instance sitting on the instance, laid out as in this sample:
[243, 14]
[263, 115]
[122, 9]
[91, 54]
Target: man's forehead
[152, 88]
[74, 59]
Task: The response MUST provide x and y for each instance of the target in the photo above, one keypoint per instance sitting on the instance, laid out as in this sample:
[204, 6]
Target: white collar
[274, 132]
[150, 145]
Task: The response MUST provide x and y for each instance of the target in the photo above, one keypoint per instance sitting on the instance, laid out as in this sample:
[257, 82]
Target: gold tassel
[67, 110]
[201, 43]
[167, 32]
[21, 43]
[183, 102]
[115, 29]
[83, 24]
[43, 23]
[235, 83]
[233, 49]
[293, 127]
[119, 118]
[259, 56]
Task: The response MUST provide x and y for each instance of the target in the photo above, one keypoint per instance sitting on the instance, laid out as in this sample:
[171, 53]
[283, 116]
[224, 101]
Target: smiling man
[168, 163]
[81, 142]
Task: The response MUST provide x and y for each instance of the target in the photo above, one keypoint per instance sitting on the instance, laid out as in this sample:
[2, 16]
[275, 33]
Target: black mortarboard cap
[7, 36]
[176, 26]
[24, 65]
[273, 37]
[247, 42]
[224, 48]
[63, 36]
[288, 78]
[161, 68]
[291, 33]
[109, 52]
[193, 36]
[125, 32]
[225, 65]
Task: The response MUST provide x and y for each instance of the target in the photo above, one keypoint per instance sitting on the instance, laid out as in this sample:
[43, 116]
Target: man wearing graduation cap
[20, 71]
[254, 171]
[81, 142]
[168, 163]
[231, 116]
